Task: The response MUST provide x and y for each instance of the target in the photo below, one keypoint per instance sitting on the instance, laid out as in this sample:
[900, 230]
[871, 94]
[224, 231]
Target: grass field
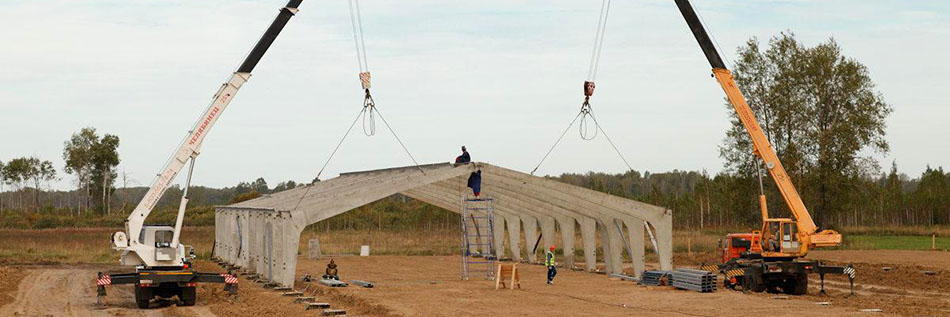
[78, 245]
[864, 242]
[92, 245]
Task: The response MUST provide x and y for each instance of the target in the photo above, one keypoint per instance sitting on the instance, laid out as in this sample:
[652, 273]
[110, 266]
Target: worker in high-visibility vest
[549, 262]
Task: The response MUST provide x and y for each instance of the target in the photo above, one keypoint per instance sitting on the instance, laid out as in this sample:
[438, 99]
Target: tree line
[91, 158]
[699, 200]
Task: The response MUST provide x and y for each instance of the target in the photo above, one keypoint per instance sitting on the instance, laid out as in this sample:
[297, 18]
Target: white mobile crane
[162, 266]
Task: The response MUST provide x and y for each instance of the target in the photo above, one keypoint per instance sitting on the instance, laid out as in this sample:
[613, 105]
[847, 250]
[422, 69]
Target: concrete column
[498, 229]
[664, 241]
[636, 240]
[530, 236]
[218, 228]
[567, 239]
[255, 244]
[514, 236]
[547, 235]
[289, 247]
[613, 247]
[589, 235]
[243, 243]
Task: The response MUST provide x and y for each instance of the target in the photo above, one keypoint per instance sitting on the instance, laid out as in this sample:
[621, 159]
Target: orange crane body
[771, 258]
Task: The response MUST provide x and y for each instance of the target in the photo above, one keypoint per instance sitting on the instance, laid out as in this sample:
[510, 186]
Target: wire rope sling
[586, 114]
[369, 112]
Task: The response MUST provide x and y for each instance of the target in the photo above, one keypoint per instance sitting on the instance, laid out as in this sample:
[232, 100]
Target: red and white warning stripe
[230, 279]
[104, 279]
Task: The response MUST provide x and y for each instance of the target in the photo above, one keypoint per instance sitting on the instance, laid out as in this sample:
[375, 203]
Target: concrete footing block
[334, 312]
[317, 306]
[304, 299]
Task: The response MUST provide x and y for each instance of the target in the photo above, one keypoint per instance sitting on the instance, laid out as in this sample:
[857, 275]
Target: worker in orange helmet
[549, 262]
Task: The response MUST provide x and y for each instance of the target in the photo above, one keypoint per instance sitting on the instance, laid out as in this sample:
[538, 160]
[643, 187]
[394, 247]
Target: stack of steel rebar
[694, 280]
[653, 278]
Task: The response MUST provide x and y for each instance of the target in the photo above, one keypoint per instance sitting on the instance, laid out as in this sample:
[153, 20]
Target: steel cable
[369, 114]
[556, 143]
[400, 142]
[598, 40]
[610, 141]
[357, 22]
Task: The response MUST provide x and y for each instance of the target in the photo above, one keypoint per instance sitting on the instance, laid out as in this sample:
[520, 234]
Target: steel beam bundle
[694, 280]
[653, 278]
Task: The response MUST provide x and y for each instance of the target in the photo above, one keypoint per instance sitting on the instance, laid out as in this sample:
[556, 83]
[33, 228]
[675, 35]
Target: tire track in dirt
[58, 291]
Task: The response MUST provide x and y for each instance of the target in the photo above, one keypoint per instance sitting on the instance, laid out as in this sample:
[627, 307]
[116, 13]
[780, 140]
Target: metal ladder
[478, 238]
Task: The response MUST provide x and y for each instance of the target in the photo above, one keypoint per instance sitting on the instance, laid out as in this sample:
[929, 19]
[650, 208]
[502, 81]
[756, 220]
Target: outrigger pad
[362, 283]
[231, 288]
[334, 312]
[332, 283]
[317, 305]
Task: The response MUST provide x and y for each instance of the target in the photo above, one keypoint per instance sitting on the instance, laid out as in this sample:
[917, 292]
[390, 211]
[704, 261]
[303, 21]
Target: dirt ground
[70, 291]
[430, 286]
[912, 283]
[933, 259]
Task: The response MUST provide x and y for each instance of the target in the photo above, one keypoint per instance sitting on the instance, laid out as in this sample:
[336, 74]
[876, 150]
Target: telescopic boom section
[191, 145]
[763, 148]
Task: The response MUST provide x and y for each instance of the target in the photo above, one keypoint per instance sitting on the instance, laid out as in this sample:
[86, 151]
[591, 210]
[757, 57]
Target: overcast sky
[502, 77]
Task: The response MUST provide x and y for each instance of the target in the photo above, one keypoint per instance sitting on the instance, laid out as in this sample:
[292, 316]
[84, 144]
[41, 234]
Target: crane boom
[190, 147]
[763, 149]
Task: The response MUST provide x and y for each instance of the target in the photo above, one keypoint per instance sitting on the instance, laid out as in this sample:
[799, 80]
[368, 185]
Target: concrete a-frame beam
[528, 204]
[262, 235]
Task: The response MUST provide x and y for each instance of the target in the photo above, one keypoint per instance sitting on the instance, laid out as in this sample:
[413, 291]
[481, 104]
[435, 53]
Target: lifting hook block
[364, 80]
[588, 88]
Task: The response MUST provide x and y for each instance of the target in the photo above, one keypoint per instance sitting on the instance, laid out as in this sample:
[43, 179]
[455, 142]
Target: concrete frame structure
[262, 235]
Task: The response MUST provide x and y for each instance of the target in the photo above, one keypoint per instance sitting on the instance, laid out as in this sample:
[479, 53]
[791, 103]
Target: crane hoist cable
[369, 105]
[369, 112]
[586, 114]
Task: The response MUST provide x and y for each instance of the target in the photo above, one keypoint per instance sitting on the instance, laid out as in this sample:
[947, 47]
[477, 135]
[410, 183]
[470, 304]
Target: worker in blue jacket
[475, 183]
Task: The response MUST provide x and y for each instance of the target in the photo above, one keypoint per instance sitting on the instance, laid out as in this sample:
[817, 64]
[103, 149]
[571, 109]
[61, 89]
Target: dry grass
[446, 242]
[91, 245]
[940, 231]
[384, 242]
[78, 245]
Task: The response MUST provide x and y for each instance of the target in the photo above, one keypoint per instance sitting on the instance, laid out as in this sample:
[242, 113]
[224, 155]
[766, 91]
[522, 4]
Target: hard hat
[552, 247]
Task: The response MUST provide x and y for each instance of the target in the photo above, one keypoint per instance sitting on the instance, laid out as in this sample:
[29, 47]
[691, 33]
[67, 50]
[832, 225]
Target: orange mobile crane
[779, 263]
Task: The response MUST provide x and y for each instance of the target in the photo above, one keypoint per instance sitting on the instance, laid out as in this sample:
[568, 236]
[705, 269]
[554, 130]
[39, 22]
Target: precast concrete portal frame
[262, 235]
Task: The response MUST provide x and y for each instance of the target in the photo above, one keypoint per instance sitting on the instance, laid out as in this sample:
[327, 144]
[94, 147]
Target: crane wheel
[142, 296]
[187, 296]
[797, 285]
[753, 283]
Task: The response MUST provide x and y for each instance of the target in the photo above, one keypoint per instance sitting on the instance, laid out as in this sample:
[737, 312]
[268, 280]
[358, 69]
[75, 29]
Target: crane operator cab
[159, 239]
[781, 236]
